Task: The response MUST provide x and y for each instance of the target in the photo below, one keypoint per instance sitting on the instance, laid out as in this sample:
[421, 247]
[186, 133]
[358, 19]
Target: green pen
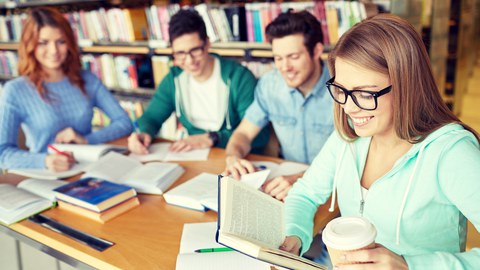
[205, 250]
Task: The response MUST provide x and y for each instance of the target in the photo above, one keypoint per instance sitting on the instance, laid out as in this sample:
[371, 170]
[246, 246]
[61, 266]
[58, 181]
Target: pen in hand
[206, 250]
[56, 150]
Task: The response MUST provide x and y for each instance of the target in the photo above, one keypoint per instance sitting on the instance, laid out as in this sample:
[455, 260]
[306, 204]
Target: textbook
[29, 197]
[85, 154]
[252, 223]
[95, 194]
[201, 192]
[160, 152]
[193, 192]
[196, 236]
[150, 178]
[88, 152]
[106, 214]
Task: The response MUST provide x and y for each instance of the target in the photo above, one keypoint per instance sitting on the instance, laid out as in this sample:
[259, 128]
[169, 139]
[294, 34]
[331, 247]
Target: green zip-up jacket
[240, 83]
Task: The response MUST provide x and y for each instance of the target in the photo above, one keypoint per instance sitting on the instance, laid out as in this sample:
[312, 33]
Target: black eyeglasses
[366, 100]
[194, 52]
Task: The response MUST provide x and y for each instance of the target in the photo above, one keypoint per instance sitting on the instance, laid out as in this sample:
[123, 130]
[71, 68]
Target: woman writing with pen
[53, 100]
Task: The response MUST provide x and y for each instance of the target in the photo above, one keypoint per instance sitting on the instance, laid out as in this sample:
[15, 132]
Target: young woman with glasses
[399, 157]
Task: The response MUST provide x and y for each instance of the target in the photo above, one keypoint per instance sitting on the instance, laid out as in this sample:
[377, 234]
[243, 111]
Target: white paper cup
[347, 234]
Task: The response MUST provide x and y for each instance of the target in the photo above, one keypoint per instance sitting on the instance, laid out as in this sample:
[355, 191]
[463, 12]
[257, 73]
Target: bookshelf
[235, 29]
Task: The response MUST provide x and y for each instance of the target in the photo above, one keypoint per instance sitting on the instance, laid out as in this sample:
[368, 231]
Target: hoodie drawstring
[334, 187]
[404, 201]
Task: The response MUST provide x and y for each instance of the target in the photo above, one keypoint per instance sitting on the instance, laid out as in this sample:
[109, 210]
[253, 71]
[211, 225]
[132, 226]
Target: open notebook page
[160, 152]
[202, 235]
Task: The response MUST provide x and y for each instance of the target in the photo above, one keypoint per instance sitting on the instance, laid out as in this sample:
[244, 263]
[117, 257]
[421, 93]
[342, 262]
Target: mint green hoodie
[419, 208]
[240, 83]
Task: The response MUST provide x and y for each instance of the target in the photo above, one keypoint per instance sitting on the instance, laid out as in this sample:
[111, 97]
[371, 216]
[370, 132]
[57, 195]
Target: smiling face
[196, 60]
[294, 62]
[366, 123]
[51, 50]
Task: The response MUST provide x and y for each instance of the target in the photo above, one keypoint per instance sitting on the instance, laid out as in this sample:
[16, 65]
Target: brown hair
[390, 45]
[28, 64]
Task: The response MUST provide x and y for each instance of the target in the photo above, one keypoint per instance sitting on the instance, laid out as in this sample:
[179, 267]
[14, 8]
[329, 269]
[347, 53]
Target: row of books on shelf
[125, 72]
[8, 64]
[224, 23]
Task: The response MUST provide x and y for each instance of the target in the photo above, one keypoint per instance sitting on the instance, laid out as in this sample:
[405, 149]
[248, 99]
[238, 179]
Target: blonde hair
[390, 45]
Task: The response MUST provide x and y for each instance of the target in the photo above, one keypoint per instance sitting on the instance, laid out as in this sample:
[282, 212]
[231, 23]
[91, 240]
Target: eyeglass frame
[201, 49]
[349, 93]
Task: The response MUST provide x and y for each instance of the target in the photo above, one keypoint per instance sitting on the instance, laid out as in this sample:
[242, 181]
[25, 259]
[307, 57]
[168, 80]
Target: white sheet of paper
[255, 179]
[160, 152]
[202, 235]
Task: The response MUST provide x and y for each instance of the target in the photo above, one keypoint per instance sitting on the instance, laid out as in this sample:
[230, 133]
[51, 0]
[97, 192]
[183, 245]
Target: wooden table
[147, 237]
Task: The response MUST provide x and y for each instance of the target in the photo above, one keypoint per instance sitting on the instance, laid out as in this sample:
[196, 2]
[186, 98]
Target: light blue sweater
[20, 104]
[419, 207]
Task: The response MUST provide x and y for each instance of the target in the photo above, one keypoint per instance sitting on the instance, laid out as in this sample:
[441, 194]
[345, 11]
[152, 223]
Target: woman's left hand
[378, 257]
[68, 135]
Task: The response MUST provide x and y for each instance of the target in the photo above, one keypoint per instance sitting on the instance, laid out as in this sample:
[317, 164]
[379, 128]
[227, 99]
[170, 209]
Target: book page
[288, 168]
[88, 152]
[284, 168]
[255, 179]
[113, 166]
[201, 187]
[251, 214]
[149, 174]
[12, 198]
[43, 188]
[47, 174]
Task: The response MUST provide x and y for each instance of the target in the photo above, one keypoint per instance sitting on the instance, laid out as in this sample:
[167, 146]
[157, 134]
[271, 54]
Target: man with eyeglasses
[293, 97]
[209, 94]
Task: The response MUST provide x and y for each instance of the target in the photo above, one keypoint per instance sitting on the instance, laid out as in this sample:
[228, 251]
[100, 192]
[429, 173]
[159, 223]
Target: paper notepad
[202, 235]
[160, 152]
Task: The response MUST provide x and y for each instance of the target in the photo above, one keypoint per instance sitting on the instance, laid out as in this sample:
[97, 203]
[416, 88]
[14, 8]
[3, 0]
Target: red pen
[56, 150]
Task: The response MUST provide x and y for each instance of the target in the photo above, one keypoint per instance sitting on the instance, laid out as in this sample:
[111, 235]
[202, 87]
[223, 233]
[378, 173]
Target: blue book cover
[93, 191]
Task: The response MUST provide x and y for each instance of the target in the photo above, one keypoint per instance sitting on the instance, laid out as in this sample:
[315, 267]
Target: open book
[252, 222]
[160, 152]
[26, 199]
[89, 152]
[49, 175]
[201, 192]
[85, 154]
[202, 235]
[151, 178]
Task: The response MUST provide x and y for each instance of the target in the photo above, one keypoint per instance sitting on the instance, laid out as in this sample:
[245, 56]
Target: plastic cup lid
[349, 233]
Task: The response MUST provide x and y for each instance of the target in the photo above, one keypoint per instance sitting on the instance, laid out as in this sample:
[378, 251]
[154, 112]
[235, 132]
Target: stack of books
[96, 198]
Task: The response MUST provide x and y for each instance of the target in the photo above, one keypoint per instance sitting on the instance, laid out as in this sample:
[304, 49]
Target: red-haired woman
[54, 98]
